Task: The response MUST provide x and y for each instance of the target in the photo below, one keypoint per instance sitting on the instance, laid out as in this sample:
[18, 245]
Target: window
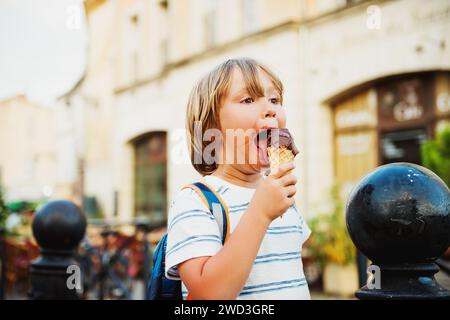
[210, 23]
[151, 177]
[164, 33]
[131, 42]
[250, 16]
[163, 4]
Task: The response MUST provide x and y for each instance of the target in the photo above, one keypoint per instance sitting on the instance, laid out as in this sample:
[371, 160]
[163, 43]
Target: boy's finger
[289, 179]
[290, 191]
[282, 170]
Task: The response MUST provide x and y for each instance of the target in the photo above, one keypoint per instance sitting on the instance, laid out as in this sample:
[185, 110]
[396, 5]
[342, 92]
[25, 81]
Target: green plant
[436, 155]
[330, 241]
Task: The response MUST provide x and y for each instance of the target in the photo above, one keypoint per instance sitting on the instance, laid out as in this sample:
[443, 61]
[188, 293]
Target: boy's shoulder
[213, 182]
[186, 199]
[186, 196]
[189, 198]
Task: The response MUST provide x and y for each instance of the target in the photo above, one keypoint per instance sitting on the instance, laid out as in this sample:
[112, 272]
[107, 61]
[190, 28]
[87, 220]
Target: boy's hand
[275, 194]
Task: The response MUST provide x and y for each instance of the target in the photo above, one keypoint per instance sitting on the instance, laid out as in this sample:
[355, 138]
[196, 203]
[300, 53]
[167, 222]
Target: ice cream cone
[279, 147]
[278, 156]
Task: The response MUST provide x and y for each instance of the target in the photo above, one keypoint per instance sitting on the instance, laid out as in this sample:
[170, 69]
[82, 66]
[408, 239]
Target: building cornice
[291, 25]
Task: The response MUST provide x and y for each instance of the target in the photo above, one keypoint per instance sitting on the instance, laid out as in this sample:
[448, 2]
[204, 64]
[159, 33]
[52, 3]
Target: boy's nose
[270, 112]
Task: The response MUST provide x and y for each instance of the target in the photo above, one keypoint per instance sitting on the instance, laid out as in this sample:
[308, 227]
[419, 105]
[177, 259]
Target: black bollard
[361, 262]
[399, 217]
[58, 228]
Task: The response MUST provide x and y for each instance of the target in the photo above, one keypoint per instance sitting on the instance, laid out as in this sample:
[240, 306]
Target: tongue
[262, 148]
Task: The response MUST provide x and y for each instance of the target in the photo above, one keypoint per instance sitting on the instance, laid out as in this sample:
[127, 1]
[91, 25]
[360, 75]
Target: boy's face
[241, 113]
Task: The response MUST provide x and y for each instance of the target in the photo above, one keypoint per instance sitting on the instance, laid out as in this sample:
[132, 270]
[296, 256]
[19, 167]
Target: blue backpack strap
[216, 206]
[159, 287]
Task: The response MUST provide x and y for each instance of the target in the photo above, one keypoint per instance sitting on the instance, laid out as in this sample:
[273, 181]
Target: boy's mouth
[266, 128]
[273, 137]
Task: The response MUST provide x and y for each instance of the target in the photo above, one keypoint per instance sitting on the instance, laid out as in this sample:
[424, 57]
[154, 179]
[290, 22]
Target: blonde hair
[207, 96]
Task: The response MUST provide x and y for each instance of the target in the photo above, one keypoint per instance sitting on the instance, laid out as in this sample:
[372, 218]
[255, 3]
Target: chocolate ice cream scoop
[278, 138]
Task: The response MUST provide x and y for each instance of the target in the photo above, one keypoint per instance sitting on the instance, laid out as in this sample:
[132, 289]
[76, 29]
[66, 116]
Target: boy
[261, 258]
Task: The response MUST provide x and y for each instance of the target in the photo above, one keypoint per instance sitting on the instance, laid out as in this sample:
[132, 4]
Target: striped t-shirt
[277, 271]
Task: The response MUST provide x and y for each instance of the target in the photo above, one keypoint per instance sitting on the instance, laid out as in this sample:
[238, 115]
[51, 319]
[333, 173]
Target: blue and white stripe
[196, 213]
[265, 287]
[238, 208]
[285, 230]
[273, 286]
[193, 239]
[277, 257]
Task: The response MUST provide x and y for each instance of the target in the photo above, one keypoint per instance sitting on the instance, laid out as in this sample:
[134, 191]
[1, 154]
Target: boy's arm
[223, 275]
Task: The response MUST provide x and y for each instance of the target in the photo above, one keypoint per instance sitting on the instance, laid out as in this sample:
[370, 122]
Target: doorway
[402, 146]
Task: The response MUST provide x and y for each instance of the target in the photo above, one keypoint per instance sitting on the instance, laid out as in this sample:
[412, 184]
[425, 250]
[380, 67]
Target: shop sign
[402, 102]
[443, 102]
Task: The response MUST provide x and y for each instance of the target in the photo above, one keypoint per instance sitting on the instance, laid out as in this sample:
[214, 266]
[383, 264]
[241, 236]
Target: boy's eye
[247, 100]
[275, 100]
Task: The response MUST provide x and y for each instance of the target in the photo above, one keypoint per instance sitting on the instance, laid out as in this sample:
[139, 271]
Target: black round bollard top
[400, 213]
[59, 225]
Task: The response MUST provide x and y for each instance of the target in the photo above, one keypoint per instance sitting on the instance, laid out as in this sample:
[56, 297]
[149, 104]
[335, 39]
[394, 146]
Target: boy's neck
[238, 177]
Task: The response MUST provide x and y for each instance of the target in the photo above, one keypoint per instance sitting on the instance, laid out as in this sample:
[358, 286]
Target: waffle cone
[278, 156]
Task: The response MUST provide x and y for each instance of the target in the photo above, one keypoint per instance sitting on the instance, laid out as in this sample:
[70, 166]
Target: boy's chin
[261, 167]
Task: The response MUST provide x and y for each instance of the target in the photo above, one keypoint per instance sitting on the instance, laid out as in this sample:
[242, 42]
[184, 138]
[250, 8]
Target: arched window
[150, 182]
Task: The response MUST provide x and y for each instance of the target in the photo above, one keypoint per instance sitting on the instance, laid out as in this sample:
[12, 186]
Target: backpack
[161, 288]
